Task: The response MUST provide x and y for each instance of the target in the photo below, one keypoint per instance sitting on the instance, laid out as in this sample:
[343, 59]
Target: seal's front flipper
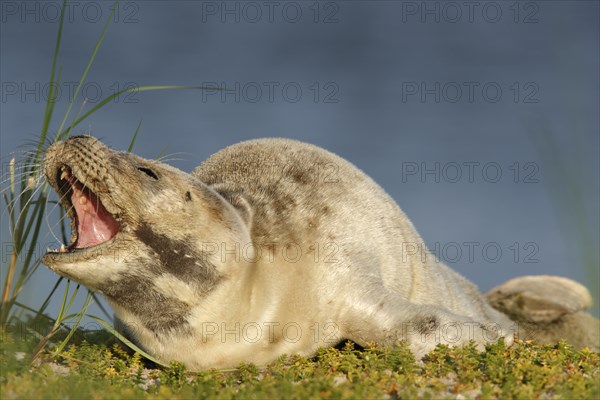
[422, 326]
[238, 201]
[548, 309]
[542, 298]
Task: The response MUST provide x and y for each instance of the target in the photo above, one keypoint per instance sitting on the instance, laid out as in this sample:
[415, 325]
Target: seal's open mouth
[91, 223]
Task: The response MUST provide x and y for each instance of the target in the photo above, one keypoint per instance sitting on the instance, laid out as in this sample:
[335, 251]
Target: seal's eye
[149, 172]
[188, 196]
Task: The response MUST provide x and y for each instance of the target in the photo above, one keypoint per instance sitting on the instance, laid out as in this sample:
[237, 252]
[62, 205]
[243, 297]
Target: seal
[270, 247]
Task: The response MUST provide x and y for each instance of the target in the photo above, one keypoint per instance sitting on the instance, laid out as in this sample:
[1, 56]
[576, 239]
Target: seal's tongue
[95, 225]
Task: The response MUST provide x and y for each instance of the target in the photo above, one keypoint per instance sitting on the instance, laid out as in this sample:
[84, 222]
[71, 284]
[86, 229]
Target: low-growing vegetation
[94, 366]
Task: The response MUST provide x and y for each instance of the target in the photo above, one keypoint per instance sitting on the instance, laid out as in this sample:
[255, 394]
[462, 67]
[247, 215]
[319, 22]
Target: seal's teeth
[64, 173]
[62, 248]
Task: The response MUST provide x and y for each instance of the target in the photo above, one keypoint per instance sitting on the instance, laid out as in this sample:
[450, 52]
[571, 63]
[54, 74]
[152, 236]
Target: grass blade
[87, 68]
[99, 304]
[80, 314]
[123, 339]
[51, 94]
[40, 311]
[134, 136]
[128, 90]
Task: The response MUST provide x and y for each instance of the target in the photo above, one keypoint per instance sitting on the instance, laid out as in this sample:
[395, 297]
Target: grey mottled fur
[271, 246]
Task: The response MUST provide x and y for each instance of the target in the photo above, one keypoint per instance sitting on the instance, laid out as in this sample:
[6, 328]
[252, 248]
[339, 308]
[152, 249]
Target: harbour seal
[270, 246]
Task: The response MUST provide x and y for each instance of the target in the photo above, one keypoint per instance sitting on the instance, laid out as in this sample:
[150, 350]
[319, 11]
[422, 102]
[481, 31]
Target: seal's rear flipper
[548, 309]
[538, 299]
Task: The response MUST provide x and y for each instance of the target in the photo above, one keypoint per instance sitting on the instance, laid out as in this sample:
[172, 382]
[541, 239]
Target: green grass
[105, 370]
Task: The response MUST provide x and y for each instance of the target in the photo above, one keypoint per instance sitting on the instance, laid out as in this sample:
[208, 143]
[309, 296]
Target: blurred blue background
[480, 119]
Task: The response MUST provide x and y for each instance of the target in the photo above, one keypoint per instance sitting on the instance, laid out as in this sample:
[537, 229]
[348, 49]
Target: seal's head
[136, 223]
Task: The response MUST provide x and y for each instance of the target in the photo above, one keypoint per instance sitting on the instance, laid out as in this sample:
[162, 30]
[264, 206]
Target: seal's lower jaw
[69, 254]
[93, 227]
